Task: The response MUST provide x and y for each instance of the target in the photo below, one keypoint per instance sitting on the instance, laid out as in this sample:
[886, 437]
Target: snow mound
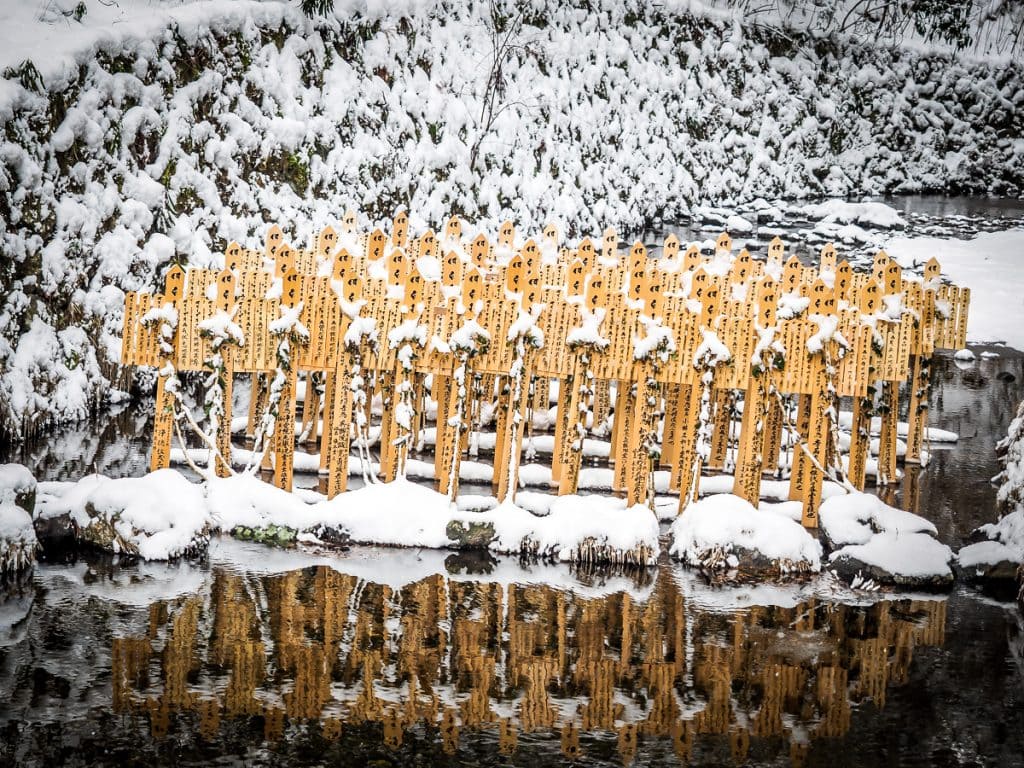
[246, 501]
[989, 265]
[854, 518]
[911, 559]
[871, 214]
[883, 543]
[17, 479]
[158, 517]
[727, 531]
[399, 513]
[579, 528]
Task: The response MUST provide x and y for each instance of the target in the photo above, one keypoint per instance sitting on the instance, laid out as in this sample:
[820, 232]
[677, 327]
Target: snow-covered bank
[195, 124]
[162, 516]
[990, 265]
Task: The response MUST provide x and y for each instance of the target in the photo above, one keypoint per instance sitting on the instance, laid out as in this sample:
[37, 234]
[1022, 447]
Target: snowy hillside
[126, 146]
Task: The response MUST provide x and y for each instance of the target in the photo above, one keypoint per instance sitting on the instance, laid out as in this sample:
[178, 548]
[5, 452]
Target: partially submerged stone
[997, 552]
[988, 561]
[869, 539]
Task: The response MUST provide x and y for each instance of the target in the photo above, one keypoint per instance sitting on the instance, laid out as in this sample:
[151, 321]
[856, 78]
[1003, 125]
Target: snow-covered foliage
[725, 531]
[165, 138]
[1003, 540]
[18, 542]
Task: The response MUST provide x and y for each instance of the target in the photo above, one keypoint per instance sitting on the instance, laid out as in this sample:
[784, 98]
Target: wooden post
[623, 425]
[338, 428]
[644, 422]
[224, 303]
[670, 429]
[689, 421]
[447, 445]
[798, 467]
[310, 411]
[817, 442]
[887, 433]
[257, 403]
[602, 402]
[163, 417]
[772, 437]
[720, 436]
[569, 458]
[284, 428]
[860, 439]
[330, 379]
[512, 436]
[749, 455]
[565, 421]
[917, 416]
[501, 418]
[388, 452]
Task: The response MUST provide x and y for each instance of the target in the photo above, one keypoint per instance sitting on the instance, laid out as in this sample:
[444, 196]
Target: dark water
[260, 657]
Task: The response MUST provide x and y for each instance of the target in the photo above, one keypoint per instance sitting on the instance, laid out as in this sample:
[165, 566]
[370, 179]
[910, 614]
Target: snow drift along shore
[164, 141]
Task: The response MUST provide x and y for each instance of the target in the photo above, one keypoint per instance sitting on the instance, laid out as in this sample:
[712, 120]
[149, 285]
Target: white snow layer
[710, 531]
[863, 527]
[18, 542]
[118, 157]
[989, 265]
[158, 516]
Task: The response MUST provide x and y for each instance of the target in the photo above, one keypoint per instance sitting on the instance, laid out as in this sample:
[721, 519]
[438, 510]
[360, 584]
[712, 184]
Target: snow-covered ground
[991, 265]
[147, 132]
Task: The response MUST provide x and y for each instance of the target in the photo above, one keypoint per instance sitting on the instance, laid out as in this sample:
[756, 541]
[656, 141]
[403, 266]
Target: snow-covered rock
[727, 532]
[990, 560]
[870, 539]
[877, 215]
[157, 517]
[909, 559]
